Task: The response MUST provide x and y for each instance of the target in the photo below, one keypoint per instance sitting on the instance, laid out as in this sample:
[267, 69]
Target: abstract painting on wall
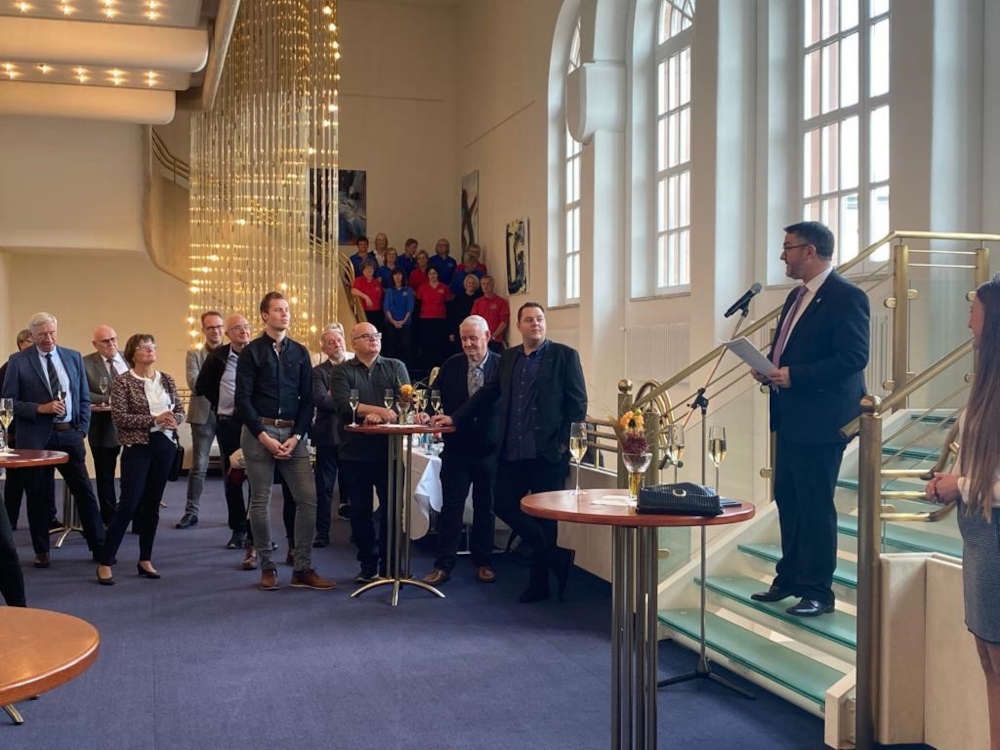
[517, 256]
[352, 205]
[470, 211]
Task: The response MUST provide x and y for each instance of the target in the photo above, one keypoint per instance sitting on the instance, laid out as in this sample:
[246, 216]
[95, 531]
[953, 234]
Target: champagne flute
[354, 399]
[717, 449]
[436, 401]
[577, 447]
[675, 445]
[102, 385]
[6, 417]
[389, 398]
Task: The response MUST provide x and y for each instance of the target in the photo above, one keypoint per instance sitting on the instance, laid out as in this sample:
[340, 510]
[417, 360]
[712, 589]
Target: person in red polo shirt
[368, 288]
[433, 297]
[496, 311]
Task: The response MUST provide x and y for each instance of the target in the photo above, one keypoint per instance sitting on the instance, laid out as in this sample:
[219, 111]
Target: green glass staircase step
[794, 671]
[936, 418]
[839, 627]
[846, 573]
[912, 452]
[907, 538]
[893, 484]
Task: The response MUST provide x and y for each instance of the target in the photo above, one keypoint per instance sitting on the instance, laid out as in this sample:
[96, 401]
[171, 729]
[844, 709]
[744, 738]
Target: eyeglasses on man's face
[786, 248]
[368, 337]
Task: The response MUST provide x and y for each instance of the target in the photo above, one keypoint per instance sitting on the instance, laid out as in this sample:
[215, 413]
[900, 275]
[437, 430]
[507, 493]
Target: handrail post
[869, 574]
[982, 272]
[624, 405]
[900, 315]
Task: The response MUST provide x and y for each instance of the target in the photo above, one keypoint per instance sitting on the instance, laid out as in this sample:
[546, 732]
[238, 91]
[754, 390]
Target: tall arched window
[673, 143]
[845, 119]
[569, 261]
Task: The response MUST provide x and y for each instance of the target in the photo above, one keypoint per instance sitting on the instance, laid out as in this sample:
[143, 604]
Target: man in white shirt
[102, 367]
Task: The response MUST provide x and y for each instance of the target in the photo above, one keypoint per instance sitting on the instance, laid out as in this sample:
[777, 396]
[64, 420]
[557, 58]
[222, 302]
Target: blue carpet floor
[203, 660]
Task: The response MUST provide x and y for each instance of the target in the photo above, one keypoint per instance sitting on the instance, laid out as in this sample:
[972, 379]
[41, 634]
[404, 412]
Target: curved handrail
[178, 167]
[776, 312]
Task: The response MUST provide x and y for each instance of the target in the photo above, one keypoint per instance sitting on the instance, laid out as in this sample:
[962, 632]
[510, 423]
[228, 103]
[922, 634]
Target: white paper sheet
[746, 351]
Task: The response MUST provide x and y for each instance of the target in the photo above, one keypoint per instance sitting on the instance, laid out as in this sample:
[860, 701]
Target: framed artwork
[517, 256]
[352, 206]
[470, 211]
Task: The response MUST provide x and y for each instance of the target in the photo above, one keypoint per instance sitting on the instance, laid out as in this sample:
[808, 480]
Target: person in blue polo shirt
[442, 262]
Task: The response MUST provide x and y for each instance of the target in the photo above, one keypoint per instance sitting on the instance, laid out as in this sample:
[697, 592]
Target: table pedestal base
[71, 519]
[633, 638]
[397, 584]
[14, 714]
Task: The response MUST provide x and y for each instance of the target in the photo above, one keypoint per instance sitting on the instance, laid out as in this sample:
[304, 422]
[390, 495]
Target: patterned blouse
[130, 408]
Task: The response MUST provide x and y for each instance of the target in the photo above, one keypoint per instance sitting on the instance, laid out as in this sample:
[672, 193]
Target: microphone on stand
[744, 301]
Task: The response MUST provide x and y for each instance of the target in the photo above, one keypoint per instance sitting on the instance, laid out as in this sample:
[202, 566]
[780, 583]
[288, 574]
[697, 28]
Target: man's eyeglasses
[111, 340]
[240, 328]
[368, 337]
[793, 247]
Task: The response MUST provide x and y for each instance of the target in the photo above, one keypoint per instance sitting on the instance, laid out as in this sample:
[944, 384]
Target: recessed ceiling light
[44, 68]
[23, 7]
[66, 9]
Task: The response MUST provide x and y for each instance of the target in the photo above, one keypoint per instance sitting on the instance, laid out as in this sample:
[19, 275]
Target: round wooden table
[26, 458]
[40, 650]
[397, 511]
[634, 581]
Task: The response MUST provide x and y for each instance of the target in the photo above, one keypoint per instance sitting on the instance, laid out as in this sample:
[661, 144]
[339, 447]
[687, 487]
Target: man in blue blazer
[470, 455]
[52, 412]
[820, 351]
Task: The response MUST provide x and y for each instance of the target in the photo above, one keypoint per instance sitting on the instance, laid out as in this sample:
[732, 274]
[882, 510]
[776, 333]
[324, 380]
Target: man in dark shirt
[274, 403]
[541, 392]
[364, 459]
[325, 432]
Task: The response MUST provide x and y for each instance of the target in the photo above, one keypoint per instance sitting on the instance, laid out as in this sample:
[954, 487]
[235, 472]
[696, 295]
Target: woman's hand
[943, 488]
[166, 420]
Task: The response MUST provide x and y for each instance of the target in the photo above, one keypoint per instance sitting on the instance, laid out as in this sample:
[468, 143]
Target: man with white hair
[52, 412]
[102, 367]
[325, 428]
[470, 455]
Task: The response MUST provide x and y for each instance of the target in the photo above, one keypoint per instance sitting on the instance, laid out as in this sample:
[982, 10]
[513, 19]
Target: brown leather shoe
[269, 580]
[485, 574]
[310, 579]
[437, 576]
[41, 561]
[249, 559]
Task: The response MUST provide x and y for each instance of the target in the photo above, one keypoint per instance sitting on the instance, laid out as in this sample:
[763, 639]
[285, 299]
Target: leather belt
[277, 422]
[62, 426]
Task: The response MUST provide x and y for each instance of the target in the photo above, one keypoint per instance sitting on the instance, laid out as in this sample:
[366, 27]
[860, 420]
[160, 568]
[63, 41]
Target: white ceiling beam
[105, 44]
[143, 106]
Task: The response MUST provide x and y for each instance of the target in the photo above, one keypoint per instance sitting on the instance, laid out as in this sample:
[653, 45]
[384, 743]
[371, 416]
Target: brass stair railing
[177, 167]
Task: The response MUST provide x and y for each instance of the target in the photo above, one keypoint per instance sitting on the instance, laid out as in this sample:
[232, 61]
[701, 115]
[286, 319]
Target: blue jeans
[298, 476]
[202, 436]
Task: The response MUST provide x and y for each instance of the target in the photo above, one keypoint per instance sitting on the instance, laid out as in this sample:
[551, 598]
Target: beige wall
[82, 291]
[397, 116]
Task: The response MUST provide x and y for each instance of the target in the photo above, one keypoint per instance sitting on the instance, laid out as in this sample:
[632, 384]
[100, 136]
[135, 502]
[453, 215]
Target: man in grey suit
[200, 417]
[102, 367]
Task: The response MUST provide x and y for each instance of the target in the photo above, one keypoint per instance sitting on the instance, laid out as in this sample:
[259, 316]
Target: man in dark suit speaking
[52, 412]
[820, 351]
[470, 455]
[541, 392]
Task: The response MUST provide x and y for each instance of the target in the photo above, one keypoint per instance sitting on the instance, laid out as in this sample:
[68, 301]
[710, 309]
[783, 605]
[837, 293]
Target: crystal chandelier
[264, 169]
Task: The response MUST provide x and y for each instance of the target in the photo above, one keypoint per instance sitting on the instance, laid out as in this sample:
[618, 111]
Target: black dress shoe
[41, 560]
[109, 581]
[810, 608]
[237, 540]
[321, 541]
[143, 573]
[187, 521]
[773, 594]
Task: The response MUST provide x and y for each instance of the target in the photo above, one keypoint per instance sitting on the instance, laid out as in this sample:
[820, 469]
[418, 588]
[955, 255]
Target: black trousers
[457, 473]
[41, 493]
[105, 461]
[144, 475]
[359, 478]
[11, 579]
[805, 479]
[397, 342]
[227, 432]
[326, 477]
[515, 479]
[13, 488]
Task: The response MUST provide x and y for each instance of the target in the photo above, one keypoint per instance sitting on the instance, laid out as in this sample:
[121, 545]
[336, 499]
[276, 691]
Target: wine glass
[717, 449]
[389, 397]
[102, 385]
[577, 447]
[6, 417]
[436, 401]
[354, 399]
[675, 445]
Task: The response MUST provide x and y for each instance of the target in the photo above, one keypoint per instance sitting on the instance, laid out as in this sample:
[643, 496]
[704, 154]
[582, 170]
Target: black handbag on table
[682, 499]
